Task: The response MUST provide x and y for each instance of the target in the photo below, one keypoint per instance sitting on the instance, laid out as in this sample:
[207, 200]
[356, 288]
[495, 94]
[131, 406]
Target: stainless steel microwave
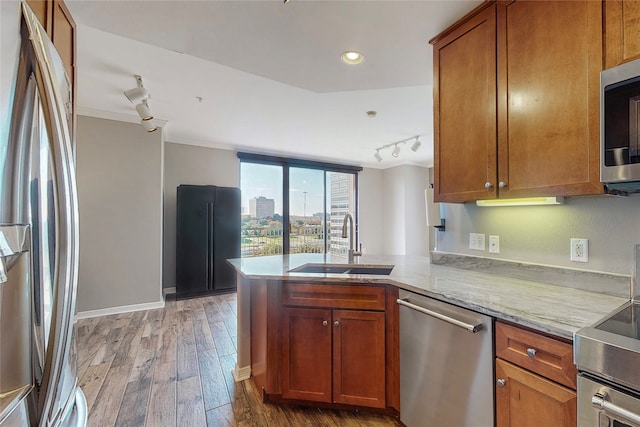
[620, 128]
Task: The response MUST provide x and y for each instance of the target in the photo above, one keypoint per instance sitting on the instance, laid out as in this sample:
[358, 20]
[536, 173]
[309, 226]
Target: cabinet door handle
[325, 323]
[531, 352]
[336, 323]
[502, 184]
[501, 382]
[488, 185]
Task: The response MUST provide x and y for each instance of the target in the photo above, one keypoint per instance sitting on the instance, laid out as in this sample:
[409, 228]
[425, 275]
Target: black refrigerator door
[193, 242]
[226, 236]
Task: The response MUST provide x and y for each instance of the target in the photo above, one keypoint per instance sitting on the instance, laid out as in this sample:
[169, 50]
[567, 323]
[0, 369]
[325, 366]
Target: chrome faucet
[352, 253]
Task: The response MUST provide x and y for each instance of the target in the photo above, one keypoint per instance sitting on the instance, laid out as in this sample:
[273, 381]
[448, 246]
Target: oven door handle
[599, 401]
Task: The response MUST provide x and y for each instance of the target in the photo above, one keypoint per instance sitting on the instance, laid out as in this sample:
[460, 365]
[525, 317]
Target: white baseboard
[241, 374]
[168, 291]
[119, 309]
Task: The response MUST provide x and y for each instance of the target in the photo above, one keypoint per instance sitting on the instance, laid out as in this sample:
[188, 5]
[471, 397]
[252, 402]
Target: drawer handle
[531, 352]
[325, 323]
[501, 382]
[336, 323]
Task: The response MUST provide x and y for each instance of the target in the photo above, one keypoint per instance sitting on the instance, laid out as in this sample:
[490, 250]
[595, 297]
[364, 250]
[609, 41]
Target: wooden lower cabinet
[335, 356]
[334, 345]
[306, 354]
[524, 399]
[359, 358]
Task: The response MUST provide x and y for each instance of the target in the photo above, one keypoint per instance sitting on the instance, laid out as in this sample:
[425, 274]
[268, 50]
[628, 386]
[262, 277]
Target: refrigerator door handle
[210, 246]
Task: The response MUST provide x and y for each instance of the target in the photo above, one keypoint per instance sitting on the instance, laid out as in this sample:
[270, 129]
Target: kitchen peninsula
[282, 314]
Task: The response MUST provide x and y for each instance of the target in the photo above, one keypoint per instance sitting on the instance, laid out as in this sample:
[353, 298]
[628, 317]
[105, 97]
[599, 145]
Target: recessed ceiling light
[352, 57]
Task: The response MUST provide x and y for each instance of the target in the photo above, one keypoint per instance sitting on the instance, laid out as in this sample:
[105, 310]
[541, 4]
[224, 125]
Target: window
[295, 206]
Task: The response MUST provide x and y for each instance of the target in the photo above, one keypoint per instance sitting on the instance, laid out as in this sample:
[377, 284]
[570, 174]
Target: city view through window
[318, 203]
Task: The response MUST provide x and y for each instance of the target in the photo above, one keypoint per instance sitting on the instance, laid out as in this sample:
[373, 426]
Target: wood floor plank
[162, 402]
[107, 402]
[202, 333]
[221, 417]
[167, 345]
[91, 381]
[190, 410]
[128, 347]
[214, 388]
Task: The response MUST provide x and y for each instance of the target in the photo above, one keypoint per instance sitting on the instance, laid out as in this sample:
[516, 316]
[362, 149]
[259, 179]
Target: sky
[266, 180]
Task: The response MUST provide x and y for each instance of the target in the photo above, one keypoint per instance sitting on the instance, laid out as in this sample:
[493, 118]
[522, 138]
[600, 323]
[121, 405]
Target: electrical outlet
[476, 241]
[579, 250]
[494, 244]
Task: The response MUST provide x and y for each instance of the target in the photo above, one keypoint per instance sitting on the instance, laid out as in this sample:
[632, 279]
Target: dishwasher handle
[473, 328]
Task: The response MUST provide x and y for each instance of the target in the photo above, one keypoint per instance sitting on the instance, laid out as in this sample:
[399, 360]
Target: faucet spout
[348, 219]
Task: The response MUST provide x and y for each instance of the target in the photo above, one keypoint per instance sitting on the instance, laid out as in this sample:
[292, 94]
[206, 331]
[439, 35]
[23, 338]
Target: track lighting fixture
[144, 111]
[416, 145]
[396, 150]
[141, 95]
[148, 125]
[137, 93]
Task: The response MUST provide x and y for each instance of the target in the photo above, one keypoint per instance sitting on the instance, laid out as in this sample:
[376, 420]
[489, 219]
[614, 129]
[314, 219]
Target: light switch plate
[579, 250]
[476, 241]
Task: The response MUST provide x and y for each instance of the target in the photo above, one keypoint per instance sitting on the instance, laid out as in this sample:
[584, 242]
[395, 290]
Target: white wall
[119, 173]
[188, 164]
[541, 234]
[370, 215]
[404, 227]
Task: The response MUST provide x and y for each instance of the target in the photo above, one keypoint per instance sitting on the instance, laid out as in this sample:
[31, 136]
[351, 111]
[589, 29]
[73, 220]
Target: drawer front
[546, 356]
[334, 296]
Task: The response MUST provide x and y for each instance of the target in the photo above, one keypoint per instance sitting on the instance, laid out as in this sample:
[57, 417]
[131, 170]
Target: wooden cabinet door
[622, 38]
[306, 354]
[359, 358]
[549, 63]
[63, 35]
[528, 400]
[464, 99]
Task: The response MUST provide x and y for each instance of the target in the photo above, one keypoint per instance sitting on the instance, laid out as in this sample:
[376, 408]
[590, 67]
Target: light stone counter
[486, 287]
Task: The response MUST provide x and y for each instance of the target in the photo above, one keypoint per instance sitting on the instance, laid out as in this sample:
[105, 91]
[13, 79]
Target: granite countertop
[553, 301]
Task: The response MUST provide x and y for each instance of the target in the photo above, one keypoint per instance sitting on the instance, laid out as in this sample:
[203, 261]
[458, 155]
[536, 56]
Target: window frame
[287, 163]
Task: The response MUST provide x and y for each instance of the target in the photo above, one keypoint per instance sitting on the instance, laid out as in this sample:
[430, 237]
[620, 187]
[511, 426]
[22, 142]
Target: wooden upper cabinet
[549, 63]
[621, 35]
[61, 28]
[465, 109]
[63, 35]
[42, 10]
[516, 102]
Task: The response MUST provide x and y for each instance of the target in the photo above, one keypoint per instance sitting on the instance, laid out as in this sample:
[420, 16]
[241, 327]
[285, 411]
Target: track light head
[416, 145]
[138, 93]
[148, 125]
[378, 156]
[396, 151]
[144, 111]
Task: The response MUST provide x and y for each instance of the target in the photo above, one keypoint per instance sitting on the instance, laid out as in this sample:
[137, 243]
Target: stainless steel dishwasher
[446, 364]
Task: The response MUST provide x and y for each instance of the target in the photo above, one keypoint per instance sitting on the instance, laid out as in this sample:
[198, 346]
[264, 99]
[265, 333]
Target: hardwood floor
[172, 367]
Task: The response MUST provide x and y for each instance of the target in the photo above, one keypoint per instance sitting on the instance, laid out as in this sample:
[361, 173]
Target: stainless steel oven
[608, 358]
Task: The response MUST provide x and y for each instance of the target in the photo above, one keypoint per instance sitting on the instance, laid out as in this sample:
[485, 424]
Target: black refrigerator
[208, 233]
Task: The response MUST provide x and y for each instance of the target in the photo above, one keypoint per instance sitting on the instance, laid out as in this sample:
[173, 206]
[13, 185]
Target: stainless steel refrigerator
[38, 231]
[208, 233]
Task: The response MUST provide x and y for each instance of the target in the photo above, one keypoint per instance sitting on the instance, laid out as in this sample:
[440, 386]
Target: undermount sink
[344, 269]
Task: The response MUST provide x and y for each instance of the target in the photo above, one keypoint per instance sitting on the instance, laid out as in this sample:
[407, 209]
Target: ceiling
[263, 76]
